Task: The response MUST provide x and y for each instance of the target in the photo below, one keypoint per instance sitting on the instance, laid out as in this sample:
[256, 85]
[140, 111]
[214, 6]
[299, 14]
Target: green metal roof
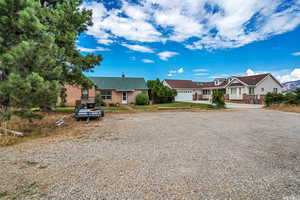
[119, 83]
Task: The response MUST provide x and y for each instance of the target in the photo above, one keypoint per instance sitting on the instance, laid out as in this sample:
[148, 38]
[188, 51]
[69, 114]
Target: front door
[124, 98]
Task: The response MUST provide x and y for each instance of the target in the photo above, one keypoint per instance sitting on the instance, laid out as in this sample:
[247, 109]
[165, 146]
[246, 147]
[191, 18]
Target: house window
[84, 93]
[106, 95]
[262, 89]
[240, 91]
[206, 92]
[275, 90]
[251, 90]
[233, 91]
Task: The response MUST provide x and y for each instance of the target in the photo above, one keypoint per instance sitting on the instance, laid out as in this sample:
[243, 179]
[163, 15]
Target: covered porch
[206, 93]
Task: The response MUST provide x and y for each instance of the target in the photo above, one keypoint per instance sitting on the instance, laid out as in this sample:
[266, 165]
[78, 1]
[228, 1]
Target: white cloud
[147, 61]
[136, 47]
[250, 72]
[99, 14]
[296, 53]
[200, 70]
[109, 24]
[212, 24]
[165, 55]
[180, 70]
[201, 74]
[292, 76]
[177, 71]
[89, 50]
[105, 41]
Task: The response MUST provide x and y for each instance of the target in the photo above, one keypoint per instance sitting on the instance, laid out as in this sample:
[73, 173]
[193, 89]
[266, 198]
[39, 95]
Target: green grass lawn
[107, 108]
[175, 105]
[71, 109]
[145, 107]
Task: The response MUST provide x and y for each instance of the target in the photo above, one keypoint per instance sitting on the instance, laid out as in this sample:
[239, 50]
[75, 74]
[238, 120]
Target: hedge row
[289, 98]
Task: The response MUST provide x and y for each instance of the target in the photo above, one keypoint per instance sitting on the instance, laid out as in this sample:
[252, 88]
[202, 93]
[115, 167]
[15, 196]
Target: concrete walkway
[234, 105]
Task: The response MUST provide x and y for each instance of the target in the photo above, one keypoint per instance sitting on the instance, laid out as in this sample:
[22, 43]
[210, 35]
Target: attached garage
[184, 88]
[184, 95]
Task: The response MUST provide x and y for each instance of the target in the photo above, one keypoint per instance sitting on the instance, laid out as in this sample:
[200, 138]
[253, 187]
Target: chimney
[123, 75]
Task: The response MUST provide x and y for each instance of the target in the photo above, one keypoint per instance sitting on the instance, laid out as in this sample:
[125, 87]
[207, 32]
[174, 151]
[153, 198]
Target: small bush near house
[218, 99]
[99, 101]
[142, 99]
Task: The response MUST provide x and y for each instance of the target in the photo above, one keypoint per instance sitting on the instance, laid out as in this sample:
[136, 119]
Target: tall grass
[36, 128]
[285, 108]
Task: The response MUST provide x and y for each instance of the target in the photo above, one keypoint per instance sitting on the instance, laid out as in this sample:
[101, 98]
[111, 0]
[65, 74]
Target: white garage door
[184, 95]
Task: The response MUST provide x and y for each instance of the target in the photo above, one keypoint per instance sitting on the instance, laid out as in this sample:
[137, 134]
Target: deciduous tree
[159, 93]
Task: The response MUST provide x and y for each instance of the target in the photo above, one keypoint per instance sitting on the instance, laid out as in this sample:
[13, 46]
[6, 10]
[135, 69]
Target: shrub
[142, 99]
[290, 98]
[297, 96]
[274, 98]
[218, 99]
[99, 101]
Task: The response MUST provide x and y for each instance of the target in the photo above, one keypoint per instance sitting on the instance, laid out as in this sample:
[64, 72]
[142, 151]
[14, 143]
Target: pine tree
[38, 55]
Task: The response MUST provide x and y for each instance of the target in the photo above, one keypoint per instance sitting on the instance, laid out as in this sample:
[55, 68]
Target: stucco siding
[267, 85]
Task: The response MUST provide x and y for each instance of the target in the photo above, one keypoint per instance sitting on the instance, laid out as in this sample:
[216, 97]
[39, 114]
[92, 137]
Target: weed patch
[38, 128]
[31, 162]
[3, 194]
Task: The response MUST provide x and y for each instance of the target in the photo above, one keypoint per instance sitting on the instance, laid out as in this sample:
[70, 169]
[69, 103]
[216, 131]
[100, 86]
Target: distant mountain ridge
[291, 86]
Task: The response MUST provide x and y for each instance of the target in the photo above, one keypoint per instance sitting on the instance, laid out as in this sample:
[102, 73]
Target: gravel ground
[246, 154]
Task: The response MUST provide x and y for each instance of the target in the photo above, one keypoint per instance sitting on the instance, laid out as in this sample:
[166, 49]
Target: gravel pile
[249, 154]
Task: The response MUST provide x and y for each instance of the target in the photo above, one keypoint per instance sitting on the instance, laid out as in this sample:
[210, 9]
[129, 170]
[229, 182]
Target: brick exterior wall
[132, 95]
[74, 94]
[117, 96]
[253, 99]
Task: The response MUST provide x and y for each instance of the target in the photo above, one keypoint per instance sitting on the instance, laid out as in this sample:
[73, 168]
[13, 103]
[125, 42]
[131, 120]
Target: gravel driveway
[246, 154]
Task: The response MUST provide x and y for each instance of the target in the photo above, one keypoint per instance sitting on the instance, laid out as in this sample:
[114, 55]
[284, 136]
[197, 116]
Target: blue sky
[198, 40]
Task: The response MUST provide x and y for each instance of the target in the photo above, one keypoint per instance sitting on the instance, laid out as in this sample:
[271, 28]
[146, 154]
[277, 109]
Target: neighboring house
[185, 88]
[247, 89]
[113, 90]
